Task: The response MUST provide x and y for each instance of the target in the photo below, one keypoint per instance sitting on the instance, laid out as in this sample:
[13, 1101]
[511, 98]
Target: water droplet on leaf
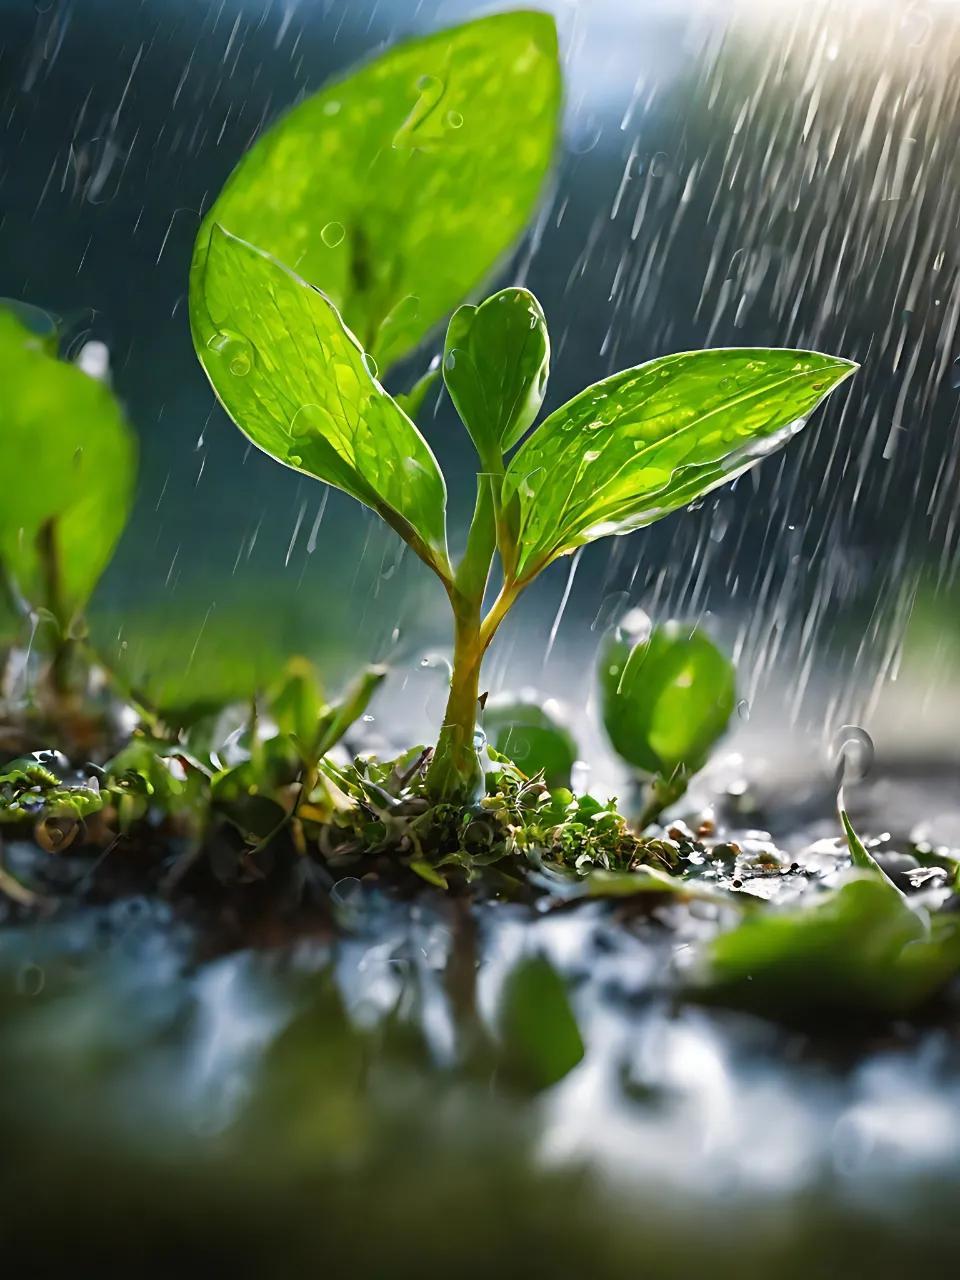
[332, 234]
[235, 350]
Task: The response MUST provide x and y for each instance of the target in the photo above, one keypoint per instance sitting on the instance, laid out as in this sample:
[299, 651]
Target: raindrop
[31, 979]
[587, 133]
[370, 364]
[743, 709]
[235, 349]
[955, 374]
[579, 777]
[851, 754]
[634, 628]
[454, 119]
[611, 607]
[332, 234]
[436, 662]
[450, 360]
[346, 892]
[368, 719]
[94, 359]
[479, 739]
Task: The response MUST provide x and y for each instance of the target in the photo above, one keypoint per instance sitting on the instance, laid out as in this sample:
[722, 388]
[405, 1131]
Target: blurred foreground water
[401, 1087]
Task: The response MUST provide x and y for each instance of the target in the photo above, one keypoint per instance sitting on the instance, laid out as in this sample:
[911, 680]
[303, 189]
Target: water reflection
[130, 1043]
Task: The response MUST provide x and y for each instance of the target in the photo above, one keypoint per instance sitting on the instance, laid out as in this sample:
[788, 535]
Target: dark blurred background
[730, 174]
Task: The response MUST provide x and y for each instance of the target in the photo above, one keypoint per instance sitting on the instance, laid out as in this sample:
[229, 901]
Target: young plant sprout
[617, 457]
[667, 696]
[65, 431]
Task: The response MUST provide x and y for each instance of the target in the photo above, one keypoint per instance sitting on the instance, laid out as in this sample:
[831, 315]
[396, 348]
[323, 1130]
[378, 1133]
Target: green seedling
[619, 456]
[667, 697]
[533, 735]
[69, 463]
[349, 230]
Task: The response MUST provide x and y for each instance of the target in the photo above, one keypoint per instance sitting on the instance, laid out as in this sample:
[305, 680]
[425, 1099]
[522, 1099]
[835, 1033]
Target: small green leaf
[338, 718]
[532, 737]
[31, 792]
[426, 871]
[644, 442]
[496, 361]
[667, 695]
[600, 883]
[858, 850]
[859, 949]
[398, 188]
[540, 1036]
[69, 461]
[298, 384]
[297, 703]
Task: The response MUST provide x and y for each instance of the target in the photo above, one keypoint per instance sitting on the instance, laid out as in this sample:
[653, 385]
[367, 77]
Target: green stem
[661, 794]
[454, 775]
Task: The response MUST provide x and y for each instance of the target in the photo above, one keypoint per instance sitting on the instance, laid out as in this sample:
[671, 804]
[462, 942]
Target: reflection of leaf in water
[541, 1040]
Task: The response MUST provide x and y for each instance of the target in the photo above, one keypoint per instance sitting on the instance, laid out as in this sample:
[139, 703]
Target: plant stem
[455, 775]
[661, 793]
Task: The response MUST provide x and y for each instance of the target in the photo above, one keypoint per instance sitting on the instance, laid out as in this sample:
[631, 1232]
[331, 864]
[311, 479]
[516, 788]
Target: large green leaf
[633, 448]
[68, 465]
[667, 697]
[495, 363]
[397, 189]
[296, 381]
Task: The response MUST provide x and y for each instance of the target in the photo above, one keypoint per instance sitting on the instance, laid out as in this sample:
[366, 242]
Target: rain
[729, 173]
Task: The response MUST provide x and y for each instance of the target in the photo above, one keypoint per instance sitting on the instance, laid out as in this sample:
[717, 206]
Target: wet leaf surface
[631, 449]
[68, 460]
[298, 383]
[458, 129]
[496, 359]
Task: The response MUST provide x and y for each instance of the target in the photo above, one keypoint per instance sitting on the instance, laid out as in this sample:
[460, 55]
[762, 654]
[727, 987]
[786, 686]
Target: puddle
[372, 1058]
